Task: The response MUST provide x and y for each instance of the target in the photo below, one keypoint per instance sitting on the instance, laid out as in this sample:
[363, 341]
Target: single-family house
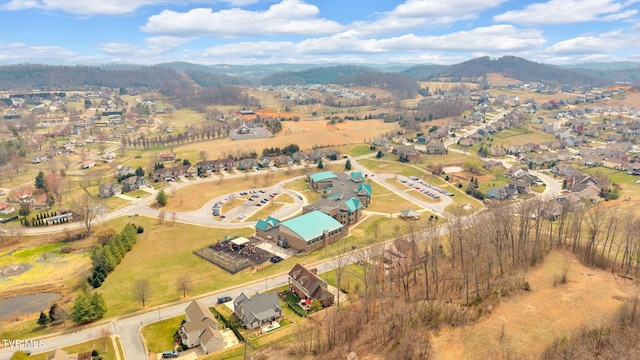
[201, 329]
[109, 189]
[163, 174]
[87, 164]
[6, 209]
[633, 168]
[59, 354]
[309, 286]
[435, 147]
[167, 156]
[255, 311]
[246, 164]
[614, 163]
[466, 142]
[134, 183]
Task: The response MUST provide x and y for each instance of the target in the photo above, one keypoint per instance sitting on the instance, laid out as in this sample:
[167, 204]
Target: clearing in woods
[525, 323]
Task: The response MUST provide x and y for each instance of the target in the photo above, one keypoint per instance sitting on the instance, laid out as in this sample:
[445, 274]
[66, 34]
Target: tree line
[449, 275]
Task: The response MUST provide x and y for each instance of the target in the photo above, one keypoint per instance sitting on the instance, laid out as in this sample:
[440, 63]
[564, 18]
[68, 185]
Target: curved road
[128, 327]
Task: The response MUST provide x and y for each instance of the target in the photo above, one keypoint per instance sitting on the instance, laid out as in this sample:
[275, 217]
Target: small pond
[26, 304]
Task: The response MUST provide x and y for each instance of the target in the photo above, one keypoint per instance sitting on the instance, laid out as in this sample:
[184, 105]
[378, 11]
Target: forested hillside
[46, 77]
[521, 69]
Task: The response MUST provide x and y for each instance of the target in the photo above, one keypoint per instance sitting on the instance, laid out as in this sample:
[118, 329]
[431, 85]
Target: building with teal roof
[321, 180]
[263, 227]
[357, 177]
[311, 231]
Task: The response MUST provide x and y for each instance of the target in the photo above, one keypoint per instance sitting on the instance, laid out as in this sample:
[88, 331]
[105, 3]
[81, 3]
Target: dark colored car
[224, 299]
[169, 354]
[275, 259]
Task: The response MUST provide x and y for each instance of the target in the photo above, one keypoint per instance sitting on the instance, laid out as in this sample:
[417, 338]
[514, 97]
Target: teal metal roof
[353, 204]
[324, 175]
[311, 225]
[365, 187]
[264, 224]
[357, 176]
[335, 196]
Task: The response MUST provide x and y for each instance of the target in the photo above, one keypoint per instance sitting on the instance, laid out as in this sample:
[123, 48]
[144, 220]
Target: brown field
[524, 324]
[496, 79]
[305, 134]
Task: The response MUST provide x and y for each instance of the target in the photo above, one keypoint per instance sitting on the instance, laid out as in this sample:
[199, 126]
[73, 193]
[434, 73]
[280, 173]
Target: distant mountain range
[32, 76]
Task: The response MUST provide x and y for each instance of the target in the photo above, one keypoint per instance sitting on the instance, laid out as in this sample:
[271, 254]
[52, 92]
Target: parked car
[275, 259]
[169, 354]
[223, 299]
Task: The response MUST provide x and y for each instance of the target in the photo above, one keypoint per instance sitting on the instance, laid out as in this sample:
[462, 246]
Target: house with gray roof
[255, 311]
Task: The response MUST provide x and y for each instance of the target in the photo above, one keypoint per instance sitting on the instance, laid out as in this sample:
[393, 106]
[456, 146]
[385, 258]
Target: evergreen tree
[44, 319]
[40, 182]
[347, 165]
[320, 164]
[88, 307]
[139, 171]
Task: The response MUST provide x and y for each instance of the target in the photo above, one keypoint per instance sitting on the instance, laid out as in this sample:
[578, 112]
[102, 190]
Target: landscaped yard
[104, 346]
[159, 335]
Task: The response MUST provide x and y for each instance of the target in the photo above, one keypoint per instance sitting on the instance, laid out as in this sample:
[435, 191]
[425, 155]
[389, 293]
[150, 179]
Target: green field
[104, 346]
[385, 166]
[159, 335]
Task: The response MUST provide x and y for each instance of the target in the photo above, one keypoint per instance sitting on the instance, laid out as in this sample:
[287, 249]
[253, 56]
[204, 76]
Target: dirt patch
[12, 270]
[523, 325]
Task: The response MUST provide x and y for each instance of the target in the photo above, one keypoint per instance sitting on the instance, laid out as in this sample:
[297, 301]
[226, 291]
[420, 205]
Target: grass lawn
[232, 204]
[356, 150]
[301, 186]
[390, 203]
[519, 136]
[103, 345]
[159, 336]
[461, 199]
[137, 193]
[351, 278]
[114, 203]
[161, 257]
[48, 266]
[486, 185]
[386, 166]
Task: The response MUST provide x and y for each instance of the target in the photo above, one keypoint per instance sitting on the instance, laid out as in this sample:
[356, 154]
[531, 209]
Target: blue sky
[316, 31]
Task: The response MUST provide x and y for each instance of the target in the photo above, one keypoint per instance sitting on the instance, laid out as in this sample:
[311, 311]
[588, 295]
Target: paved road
[128, 328]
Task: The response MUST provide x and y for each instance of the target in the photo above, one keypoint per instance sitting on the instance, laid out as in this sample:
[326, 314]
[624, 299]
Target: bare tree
[203, 155]
[174, 217]
[184, 284]
[161, 216]
[142, 291]
[88, 209]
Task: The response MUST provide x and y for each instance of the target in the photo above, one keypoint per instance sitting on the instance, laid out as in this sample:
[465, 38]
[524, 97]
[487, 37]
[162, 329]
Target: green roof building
[321, 180]
[311, 231]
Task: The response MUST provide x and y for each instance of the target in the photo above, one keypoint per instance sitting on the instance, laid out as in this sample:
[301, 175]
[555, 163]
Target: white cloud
[592, 44]
[82, 7]
[493, 38]
[289, 17]
[119, 48]
[20, 52]
[567, 11]
[252, 49]
[421, 13]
